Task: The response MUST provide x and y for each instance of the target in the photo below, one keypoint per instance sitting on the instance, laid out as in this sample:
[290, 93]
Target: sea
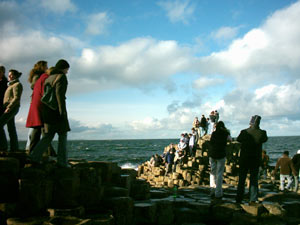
[132, 153]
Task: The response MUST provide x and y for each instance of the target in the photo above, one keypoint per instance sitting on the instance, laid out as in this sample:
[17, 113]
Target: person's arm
[295, 173]
[61, 89]
[276, 167]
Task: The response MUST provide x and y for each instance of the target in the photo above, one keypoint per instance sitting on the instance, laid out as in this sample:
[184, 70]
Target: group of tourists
[206, 125]
[43, 120]
[252, 159]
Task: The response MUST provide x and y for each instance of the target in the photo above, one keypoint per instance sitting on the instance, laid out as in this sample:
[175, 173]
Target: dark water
[131, 153]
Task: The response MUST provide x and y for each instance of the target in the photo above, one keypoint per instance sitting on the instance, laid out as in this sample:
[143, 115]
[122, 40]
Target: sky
[145, 69]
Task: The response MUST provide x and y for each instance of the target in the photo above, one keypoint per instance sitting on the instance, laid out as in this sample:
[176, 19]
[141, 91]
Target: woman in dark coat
[217, 158]
[55, 121]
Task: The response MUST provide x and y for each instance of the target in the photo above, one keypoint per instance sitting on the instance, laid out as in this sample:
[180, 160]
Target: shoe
[254, 203]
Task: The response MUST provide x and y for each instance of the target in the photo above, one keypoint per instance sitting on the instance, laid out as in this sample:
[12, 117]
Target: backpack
[49, 96]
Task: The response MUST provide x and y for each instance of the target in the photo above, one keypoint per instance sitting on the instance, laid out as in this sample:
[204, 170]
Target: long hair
[38, 69]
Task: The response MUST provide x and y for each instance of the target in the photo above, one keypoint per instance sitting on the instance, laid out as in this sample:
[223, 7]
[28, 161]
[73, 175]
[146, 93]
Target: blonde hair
[38, 69]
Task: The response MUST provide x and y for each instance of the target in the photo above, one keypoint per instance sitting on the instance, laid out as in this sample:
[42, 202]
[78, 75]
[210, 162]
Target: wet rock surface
[103, 193]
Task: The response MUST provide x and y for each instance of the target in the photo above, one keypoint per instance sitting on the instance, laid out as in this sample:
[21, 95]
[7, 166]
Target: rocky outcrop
[103, 193]
[194, 171]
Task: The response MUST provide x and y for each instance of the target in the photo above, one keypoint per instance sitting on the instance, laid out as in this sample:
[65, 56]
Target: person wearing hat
[11, 105]
[55, 121]
[296, 163]
[250, 158]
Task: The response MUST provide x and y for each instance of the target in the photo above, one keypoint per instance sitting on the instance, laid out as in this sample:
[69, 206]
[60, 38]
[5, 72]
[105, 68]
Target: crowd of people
[252, 158]
[44, 121]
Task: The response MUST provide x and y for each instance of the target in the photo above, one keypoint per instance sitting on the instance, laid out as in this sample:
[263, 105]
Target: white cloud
[270, 52]
[58, 6]
[205, 82]
[225, 33]
[148, 123]
[179, 10]
[137, 63]
[97, 23]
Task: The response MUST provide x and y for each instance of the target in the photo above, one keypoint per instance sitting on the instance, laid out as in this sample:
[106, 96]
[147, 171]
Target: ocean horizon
[129, 153]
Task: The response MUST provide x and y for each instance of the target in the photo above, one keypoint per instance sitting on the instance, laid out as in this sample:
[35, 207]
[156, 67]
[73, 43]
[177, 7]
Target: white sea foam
[129, 166]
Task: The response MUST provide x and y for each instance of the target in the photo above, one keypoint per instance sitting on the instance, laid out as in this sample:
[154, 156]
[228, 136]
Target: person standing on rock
[217, 153]
[296, 162]
[169, 159]
[55, 121]
[250, 158]
[286, 166]
[11, 104]
[203, 125]
[196, 125]
[212, 118]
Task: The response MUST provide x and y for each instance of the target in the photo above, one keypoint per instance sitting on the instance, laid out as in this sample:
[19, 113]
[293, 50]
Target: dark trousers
[9, 120]
[35, 137]
[243, 171]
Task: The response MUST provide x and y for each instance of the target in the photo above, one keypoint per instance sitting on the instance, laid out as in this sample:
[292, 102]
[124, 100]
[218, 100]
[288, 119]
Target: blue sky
[145, 69]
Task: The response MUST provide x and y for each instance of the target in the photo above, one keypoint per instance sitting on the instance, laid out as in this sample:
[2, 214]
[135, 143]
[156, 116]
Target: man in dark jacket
[169, 159]
[250, 158]
[296, 163]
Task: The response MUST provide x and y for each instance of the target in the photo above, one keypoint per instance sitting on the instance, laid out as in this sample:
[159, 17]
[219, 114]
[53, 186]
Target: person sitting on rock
[182, 145]
[286, 169]
[169, 159]
[157, 160]
[296, 162]
[151, 161]
[179, 157]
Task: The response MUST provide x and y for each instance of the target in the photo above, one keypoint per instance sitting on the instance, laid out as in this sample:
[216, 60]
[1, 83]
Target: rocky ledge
[103, 193]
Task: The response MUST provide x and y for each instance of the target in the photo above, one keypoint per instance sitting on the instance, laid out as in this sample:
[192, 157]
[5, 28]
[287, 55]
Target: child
[286, 168]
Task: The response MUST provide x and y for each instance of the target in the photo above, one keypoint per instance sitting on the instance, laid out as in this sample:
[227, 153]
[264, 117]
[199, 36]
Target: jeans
[9, 120]
[216, 175]
[253, 181]
[42, 146]
[282, 181]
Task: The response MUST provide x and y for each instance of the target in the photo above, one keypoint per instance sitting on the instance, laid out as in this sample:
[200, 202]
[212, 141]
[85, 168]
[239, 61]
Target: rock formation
[102, 193]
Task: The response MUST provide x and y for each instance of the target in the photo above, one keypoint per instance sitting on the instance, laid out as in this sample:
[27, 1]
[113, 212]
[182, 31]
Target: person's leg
[243, 170]
[212, 176]
[11, 128]
[3, 140]
[51, 151]
[219, 177]
[62, 153]
[290, 181]
[28, 139]
[254, 184]
[282, 178]
[42, 145]
[296, 183]
[34, 137]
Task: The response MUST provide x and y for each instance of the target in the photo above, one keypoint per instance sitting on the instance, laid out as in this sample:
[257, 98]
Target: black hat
[62, 64]
[255, 120]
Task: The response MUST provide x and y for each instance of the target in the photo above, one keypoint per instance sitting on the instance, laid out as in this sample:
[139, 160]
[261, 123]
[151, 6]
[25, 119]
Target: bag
[49, 96]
